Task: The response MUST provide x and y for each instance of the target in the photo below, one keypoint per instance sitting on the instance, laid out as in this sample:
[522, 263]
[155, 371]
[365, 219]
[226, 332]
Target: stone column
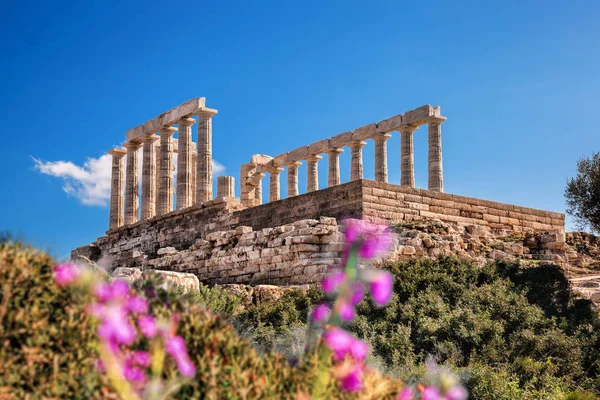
[407, 156]
[225, 186]
[312, 182]
[132, 186]
[149, 177]
[274, 187]
[333, 176]
[194, 174]
[293, 178]
[184, 163]
[381, 168]
[258, 188]
[116, 188]
[356, 168]
[165, 173]
[436, 176]
[204, 164]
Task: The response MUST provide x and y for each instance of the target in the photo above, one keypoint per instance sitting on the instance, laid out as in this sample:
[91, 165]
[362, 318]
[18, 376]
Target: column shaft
[407, 157]
[149, 178]
[312, 182]
[184, 164]
[356, 171]
[333, 176]
[381, 168]
[132, 186]
[204, 167]
[435, 177]
[194, 175]
[225, 186]
[274, 185]
[165, 187]
[293, 178]
[116, 188]
[258, 189]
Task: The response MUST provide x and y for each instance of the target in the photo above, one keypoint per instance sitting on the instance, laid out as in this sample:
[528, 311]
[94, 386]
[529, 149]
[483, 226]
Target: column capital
[206, 112]
[293, 164]
[407, 128]
[357, 144]
[186, 121]
[151, 138]
[314, 157]
[435, 120]
[274, 170]
[132, 145]
[382, 137]
[168, 130]
[335, 150]
[117, 153]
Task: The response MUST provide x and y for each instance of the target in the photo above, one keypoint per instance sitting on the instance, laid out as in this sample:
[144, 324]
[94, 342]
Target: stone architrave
[116, 188]
[293, 178]
[312, 182]
[204, 163]
[132, 186]
[274, 185]
[436, 176]
[381, 168]
[184, 163]
[333, 176]
[407, 155]
[356, 167]
[149, 177]
[166, 167]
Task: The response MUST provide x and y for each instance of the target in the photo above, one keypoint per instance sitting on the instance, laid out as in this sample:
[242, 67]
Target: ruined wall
[221, 240]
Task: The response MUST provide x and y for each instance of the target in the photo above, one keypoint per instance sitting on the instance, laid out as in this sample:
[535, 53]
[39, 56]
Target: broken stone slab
[166, 250]
[186, 281]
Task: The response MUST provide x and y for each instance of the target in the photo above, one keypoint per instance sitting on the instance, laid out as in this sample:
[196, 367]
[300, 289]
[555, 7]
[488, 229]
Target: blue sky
[518, 82]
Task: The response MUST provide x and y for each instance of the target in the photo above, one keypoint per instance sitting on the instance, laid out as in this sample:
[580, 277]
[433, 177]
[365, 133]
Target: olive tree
[583, 194]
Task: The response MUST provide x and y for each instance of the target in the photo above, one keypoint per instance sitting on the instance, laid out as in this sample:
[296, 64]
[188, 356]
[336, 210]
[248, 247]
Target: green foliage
[215, 299]
[583, 193]
[512, 331]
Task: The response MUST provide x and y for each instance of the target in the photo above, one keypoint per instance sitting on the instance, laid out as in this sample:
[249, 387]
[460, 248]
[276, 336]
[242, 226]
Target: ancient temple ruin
[290, 239]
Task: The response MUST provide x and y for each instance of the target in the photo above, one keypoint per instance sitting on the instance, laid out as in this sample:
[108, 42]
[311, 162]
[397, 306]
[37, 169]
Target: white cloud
[90, 183]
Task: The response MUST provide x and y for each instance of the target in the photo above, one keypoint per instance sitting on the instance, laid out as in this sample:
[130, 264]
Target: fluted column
[292, 180]
[204, 163]
[194, 174]
[184, 163]
[381, 168]
[312, 182]
[258, 188]
[225, 186]
[132, 186]
[116, 188]
[333, 176]
[407, 156]
[436, 176]
[274, 186]
[149, 177]
[165, 187]
[356, 167]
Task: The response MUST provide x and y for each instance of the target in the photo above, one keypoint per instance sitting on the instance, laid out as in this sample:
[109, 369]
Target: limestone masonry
[292, 240]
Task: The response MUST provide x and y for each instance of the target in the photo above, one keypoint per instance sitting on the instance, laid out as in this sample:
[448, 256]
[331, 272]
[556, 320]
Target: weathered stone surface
[170, 278]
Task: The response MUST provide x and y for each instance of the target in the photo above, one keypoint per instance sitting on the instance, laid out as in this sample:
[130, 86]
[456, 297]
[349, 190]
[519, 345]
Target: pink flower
[117, 332]
[185, 366]
[103, 292]
[359, 350]
[65, 274]
[175, 347]
[346, 311]
[353, 381]
[372, 239]
[338, 341]
[430, 393]
[357, 293]
[133, 374]
[141, 358]
[381, 288]
[352, 229]
[320, 313]
[456, 393]
[119, 290]
[137, 304]
[147, 326]
[332, 282]
[406, 394]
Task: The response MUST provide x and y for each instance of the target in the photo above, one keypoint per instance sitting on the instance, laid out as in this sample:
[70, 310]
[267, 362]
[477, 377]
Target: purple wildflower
[456, 393]
[381, 288]
[185, 366]
[338, 341]
[133, 374]
[320, 313]
[175, 347]
[353, 381]
[141, 358]
[65, 274]
[103, 292]
[357, 293]
[332, 282]
[119, 290]
[430, 393]
[147, 326]
[359, 350]
[346, 311]
[406, 394]
[137, 304]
